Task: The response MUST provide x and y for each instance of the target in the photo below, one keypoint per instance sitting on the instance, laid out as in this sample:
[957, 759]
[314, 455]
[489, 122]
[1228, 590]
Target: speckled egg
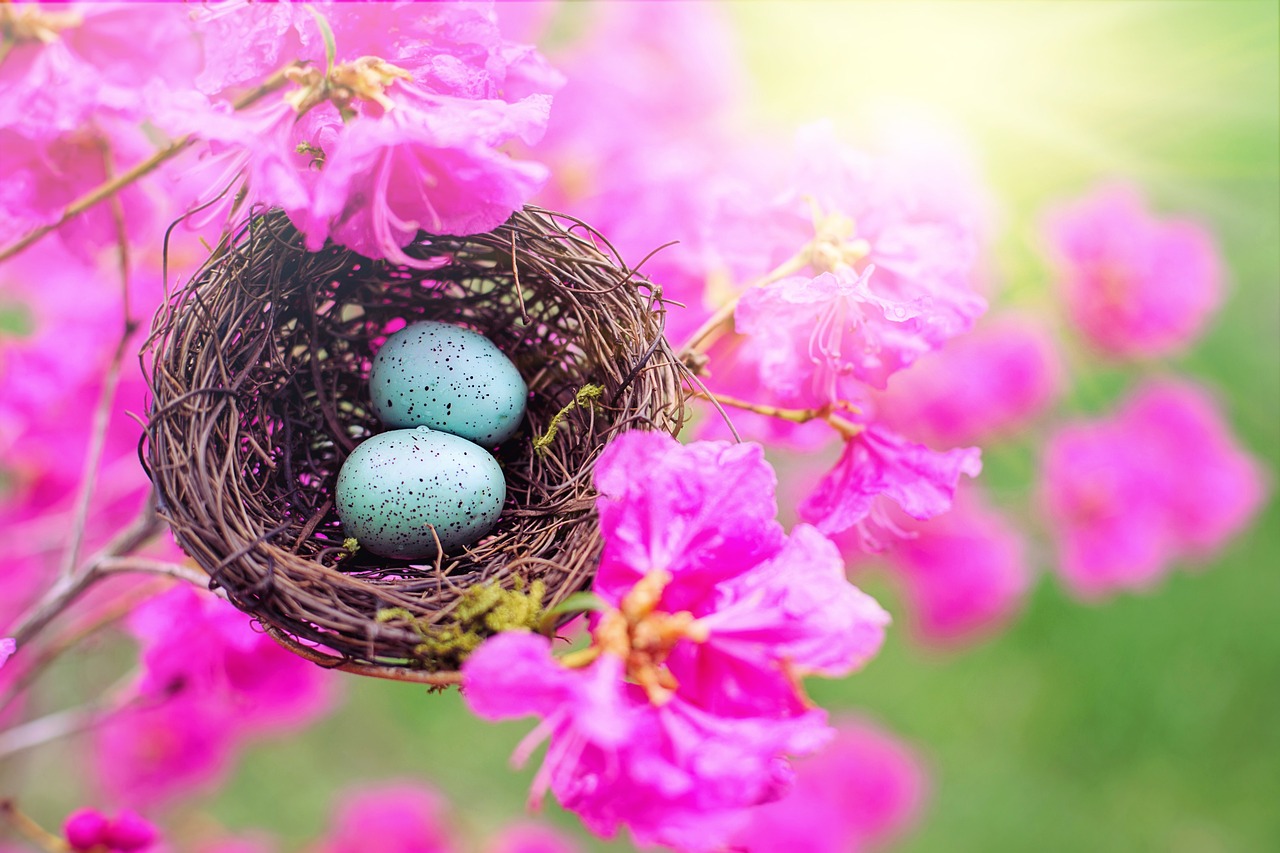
[397, 484]
[449, 379]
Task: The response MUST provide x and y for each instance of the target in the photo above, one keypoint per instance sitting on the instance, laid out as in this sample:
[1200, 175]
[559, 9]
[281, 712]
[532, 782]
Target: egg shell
[397, 484]
[450, 379]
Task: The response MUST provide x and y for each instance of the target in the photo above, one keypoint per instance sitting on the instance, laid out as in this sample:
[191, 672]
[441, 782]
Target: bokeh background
[1146, 723]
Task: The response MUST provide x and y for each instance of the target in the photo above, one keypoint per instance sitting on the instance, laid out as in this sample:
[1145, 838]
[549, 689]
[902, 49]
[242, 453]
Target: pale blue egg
[396, 485]
[449, 379]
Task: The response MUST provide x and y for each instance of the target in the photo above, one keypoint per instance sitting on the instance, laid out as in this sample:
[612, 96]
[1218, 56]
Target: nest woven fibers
[258, 369]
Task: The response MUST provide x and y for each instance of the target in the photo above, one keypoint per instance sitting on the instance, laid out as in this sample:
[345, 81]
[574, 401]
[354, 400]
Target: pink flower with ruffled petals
[435, 167]
[712, 527]
[877, 466]
[682, 712]
[965, 573]
[67, 64]
[989, 382]
[394, 818]
[1135, 286]
[865, 789]
[404, 133]
[817, 338]
[1161, 480]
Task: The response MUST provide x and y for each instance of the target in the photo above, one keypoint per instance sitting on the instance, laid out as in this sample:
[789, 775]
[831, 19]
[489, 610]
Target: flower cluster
[680, 713]
[860, 792]
[1161, 480]
[1135, 286]
[208, 682]
[391, 121]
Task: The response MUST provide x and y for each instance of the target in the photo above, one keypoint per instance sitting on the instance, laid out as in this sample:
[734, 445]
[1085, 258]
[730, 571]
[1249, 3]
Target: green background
[1146, 723]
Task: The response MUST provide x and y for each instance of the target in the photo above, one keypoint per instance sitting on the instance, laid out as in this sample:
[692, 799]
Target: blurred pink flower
[531, 838]
[154, 753]
[879, 466]
[714, 616]
[91, 831]
[1135, 286]
[862, 791]
[1162, 479]
[987, 383]
[7, 647]
[390, 818]
[965, 573]
[209, 681]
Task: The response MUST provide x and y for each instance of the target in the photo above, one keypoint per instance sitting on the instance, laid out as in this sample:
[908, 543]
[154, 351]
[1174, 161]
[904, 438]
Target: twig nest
[259, 371]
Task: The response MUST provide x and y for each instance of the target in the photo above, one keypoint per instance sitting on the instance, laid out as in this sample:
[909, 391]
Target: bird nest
[258, 369]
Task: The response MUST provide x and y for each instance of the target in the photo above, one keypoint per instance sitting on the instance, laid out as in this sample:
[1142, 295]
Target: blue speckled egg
[397, 484]
[449, 379]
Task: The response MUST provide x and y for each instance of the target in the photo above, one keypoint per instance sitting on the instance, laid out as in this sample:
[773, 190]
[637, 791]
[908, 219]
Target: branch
[114, 185]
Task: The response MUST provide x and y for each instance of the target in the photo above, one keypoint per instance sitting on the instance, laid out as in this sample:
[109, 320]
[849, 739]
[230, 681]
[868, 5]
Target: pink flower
[7, 647]
[817, 338]
[1135, 286]
[989, 382]
[67, 64]
[393, 818]
[209, 682]
[863, 790]
[531, 838]
[965, 573]
[707, 507]
[404, 133]
[91, 831]
[197, 644]
[878, 465]
[682, 711]
[435, 168]
[1161, 480]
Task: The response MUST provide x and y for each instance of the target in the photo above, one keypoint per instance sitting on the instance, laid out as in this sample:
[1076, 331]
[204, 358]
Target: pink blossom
[70, 63]
[531, 838]
[682, 711]
[91, 831]
[865, 789]
[409, 139]
[1161, 480]
[209, 681]
[437, 169]
[989, 382]
[391, 818]
[1136, 286]
[154, 753]
[878, 466]
[7, 647]
[965, 573]
[818, 337]
[198, 644]
[677, 514]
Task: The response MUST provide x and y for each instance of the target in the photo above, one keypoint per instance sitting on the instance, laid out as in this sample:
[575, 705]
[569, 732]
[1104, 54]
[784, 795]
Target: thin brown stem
[51, 651]
[70, 587]
[142, 565]
[720, 322]
[30, 830]
[799, 416]
[113, 185]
